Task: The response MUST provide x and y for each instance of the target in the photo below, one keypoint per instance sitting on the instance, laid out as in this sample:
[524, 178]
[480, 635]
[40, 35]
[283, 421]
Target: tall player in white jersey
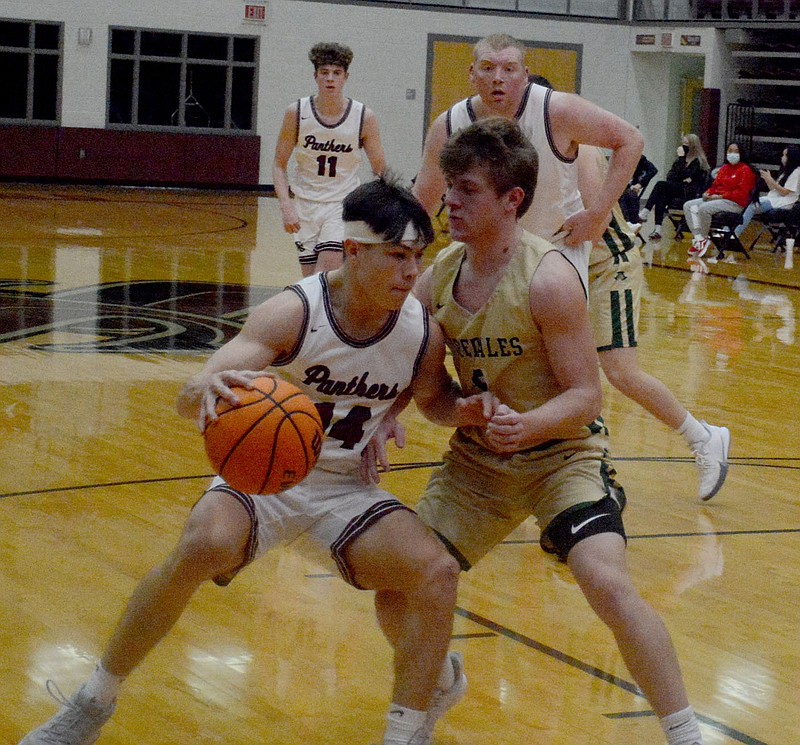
[352, 339]
[326, 134]
[556, 123]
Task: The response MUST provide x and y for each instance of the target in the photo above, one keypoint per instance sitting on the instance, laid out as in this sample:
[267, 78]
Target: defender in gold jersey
[515, 318]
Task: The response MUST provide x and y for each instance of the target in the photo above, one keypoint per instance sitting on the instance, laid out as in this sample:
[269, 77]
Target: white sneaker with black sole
[711, 458]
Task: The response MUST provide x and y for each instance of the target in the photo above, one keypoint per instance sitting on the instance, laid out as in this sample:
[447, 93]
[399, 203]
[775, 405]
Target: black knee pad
[579, 522]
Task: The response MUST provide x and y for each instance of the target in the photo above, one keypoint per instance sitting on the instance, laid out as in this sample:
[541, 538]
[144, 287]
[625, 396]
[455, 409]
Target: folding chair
[678, 219]
[780, 224]
[722, 227]
[722, 235]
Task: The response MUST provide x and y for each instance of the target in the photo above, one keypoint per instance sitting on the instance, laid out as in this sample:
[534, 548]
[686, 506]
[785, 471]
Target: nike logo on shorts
[576, 528]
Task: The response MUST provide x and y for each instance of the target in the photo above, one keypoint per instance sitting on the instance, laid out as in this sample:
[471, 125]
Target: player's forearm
[621, 168]
[563, 417]
[441, 407]
[280, 183]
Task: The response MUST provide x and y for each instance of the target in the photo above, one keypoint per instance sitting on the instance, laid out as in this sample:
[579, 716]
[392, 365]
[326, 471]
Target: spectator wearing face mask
[783, 188]
[686, 179]
[731, 191]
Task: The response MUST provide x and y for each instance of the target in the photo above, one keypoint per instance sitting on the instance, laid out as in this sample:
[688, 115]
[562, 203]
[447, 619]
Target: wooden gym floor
[111, 298]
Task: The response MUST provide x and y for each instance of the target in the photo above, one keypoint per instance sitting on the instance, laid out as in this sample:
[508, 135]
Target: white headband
[359, 231]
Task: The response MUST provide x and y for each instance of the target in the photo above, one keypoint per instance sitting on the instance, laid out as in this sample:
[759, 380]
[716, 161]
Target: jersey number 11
[331, 163]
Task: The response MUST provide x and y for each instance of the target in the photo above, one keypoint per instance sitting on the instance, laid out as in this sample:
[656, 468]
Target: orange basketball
[269, 441]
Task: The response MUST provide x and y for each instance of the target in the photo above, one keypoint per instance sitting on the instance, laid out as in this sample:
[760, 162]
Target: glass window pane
[45, 87]
[161, 44]
[244, 50]
[122, 41]
[205, 96]
[14, 34]
[14, 101]
[120, 105]
[242, 103]
[205, 46]
[596, 8]
[159, 91]
[46, 36]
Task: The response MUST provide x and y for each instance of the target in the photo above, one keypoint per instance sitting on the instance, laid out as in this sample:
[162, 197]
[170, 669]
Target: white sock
[681, 728]
[401, 724]
[693, 432]
[102, 686]
[448, 675]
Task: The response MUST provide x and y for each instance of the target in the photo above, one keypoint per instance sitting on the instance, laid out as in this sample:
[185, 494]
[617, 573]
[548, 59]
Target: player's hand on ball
[218, 386]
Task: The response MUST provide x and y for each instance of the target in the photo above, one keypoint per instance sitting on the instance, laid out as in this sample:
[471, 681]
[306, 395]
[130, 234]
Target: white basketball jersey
[556, 197]
[352, 381]
[327, 157]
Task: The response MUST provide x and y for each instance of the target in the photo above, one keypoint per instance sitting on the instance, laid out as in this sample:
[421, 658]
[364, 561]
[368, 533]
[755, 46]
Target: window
[30, 66]
[175, 80]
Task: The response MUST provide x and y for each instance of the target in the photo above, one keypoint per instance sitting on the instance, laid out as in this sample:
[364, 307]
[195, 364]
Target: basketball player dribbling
[358, 329]
[325, 133]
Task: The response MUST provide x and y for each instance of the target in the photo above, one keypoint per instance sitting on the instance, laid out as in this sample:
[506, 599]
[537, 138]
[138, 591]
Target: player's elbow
[637, 140]
[592, 403]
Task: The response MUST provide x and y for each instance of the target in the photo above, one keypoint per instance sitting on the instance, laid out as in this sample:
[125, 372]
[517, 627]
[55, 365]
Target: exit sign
[255, 12]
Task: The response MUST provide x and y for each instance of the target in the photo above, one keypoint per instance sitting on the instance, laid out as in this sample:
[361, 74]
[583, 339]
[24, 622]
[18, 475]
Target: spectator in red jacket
[731, 191]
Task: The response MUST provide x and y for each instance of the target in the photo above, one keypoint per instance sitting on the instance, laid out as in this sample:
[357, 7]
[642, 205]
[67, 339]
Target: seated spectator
[686, 179]
[629, 201]
[783, 190]
[730, 191]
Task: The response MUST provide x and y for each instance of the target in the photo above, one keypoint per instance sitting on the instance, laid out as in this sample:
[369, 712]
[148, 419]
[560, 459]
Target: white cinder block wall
[390, 46]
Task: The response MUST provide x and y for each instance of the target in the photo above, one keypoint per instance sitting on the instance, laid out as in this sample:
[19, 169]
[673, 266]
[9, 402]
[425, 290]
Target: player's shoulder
[291, 302]
[439, 124]
[292, 111]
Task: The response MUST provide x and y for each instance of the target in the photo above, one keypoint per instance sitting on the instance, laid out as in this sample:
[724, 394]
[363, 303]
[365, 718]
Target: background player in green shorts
[616, 277]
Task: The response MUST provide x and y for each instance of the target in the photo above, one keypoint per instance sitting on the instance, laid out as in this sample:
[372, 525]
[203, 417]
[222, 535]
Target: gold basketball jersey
[498, 348]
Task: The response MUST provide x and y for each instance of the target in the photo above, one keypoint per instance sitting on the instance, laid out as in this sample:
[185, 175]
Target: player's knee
[613, 598]
[208, 548]
[615, 376]
[621, 376]
[439, 581]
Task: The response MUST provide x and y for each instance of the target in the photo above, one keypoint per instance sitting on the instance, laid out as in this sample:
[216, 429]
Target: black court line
[595, 672]
[483, 635]
[752, 461]
[756, 461]
[630, 715]
[107, 485]
[648, 536]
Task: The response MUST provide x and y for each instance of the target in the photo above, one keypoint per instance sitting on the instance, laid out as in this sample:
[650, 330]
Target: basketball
[269, 441]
